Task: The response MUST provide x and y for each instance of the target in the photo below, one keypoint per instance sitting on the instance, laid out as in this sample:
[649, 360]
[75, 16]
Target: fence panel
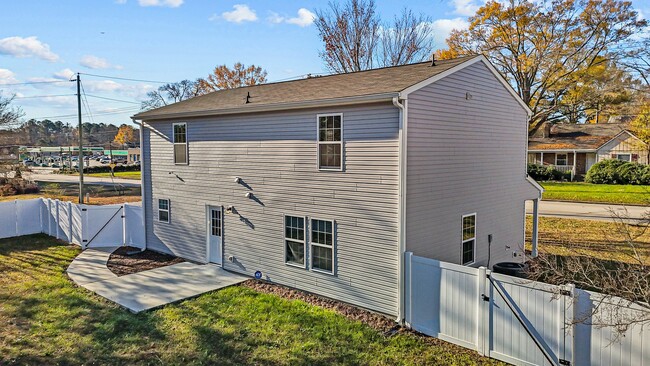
[134, 234]
[28, 216]
[443, 300]
[8, 222]
[603, 345]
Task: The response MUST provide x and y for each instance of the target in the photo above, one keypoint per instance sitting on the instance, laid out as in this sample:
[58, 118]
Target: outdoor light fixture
[249, 195]
[237, 180]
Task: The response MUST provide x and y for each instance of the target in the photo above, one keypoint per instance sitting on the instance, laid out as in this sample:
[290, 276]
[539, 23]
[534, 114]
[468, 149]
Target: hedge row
[546, 173]
[103, 169]
[612, 171]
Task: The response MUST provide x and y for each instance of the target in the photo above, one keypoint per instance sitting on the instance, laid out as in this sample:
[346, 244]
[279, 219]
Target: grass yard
[46, 320]
[597, 239]
[123, 175]
[99, 194]
[597, 193]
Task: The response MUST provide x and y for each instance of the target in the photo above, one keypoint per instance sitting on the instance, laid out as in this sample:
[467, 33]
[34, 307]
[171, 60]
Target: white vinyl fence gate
[515, 320]
[84, 225]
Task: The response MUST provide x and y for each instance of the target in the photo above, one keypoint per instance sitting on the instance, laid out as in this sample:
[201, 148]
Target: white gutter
[142, 186]
[401, 229]
[334, 102]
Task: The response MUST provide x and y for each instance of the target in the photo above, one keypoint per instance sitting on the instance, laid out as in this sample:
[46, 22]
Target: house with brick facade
[576, 147]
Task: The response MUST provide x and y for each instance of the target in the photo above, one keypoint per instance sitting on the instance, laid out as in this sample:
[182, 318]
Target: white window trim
[629, 155]
[304, 241]
[462, 241]
[566, 159]
[332, 247]
[158, 209]
[187, 150]
[319, 143]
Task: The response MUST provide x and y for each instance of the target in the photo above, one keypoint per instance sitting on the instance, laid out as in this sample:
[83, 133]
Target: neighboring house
[576, 147]
[324, 183]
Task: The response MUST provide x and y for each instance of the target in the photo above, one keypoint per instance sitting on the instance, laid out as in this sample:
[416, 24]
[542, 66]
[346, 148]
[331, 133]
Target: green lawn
[123, 175]
[604, 193]
[46, 320]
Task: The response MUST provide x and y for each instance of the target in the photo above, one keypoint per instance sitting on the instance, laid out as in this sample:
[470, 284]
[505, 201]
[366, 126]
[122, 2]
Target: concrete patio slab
[150, 289]
[90, 266]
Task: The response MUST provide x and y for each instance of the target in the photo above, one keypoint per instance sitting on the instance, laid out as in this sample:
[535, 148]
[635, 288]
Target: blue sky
[164, 40]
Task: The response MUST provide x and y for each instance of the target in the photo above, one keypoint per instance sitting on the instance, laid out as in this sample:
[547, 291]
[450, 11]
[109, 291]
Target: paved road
[589, 211]
[62, 178]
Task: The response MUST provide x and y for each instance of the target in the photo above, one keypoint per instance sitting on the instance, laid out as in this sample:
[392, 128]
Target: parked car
[29, 162]
[136, 163]
[105, 161]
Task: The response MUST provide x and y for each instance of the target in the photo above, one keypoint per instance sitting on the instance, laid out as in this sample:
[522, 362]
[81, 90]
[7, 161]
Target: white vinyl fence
[515, 320]
[84, 225]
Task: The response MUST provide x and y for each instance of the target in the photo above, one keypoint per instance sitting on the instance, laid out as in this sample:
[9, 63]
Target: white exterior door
[215, 229]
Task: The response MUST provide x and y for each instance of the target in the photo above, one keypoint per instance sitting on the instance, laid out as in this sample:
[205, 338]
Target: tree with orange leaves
[223, 77]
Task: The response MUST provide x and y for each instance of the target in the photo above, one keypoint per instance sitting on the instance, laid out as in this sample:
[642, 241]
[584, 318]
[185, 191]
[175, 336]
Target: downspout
[142, 186]
[401, 229]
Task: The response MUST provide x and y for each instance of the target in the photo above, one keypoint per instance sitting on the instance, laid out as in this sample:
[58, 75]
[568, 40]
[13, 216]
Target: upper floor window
[469, 239]
[180, 143]
[330, 142]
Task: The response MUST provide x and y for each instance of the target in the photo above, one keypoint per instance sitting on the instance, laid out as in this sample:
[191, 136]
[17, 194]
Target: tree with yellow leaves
[542, 48]
[223, 77]
[125, 135]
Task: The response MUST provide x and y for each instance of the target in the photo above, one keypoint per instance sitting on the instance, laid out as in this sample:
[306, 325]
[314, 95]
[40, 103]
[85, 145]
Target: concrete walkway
[148, 289]
[589, 211]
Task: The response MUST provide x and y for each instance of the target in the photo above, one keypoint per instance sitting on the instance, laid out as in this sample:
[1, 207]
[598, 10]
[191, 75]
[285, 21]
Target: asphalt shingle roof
[566, 136]
[362, 83]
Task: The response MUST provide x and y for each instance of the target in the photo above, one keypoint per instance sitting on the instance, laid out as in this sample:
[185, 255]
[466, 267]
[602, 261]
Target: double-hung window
[330, 142]
[180, 143]
[322, 246]
[163, 210]
[561, 159]
[468, 246]
[624, 157]
[294, 241]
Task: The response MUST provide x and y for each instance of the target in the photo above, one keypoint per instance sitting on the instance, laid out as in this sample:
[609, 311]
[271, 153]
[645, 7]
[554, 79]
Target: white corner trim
[480, 58]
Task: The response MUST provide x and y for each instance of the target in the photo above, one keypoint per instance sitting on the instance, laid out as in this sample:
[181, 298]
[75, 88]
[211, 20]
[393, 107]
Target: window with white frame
[469, 238]
[561, 159]
[624, 157]
[180, 143]
[330, 142]
[294, 241]
[322, 246]
[163, 210]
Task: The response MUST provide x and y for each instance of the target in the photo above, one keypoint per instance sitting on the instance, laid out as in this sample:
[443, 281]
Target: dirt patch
[122, 264]
[376, 321]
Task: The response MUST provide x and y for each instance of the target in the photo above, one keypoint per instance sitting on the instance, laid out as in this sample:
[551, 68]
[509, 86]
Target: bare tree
[9, 115]
[409, 39]
[223, 77]
[350, 35]
[171, 93]
[355, 38]
[620, 271]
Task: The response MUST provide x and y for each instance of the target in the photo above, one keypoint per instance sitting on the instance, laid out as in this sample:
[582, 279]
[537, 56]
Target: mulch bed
[122, 264]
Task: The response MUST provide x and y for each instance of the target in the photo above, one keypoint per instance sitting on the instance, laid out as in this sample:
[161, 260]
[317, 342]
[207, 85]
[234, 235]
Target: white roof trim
[404, 93]
[536, 185]
[550, 151]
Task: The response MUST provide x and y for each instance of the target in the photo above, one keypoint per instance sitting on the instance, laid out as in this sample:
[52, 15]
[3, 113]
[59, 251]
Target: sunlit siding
[275, 156]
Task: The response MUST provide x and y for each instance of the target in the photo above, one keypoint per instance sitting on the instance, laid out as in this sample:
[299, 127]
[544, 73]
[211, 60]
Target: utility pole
[81, 147]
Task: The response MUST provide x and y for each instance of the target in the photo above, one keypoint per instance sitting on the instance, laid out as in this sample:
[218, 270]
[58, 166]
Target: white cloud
[65, 74]
[7, 77]
[102, 86]
[94, 62]
[166, 3]
[241, 13]
[304, 18]
[443, 27]
[465, 7]
[27, 47]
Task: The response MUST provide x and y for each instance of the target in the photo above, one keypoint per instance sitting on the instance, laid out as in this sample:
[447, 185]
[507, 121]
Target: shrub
[14, 186]
[546, 173]
[612, 171]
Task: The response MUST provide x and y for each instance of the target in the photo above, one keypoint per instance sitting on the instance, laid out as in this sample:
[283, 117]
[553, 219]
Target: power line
[115, 100]
[87, 106]
[45, 96]
[39, 82]
[128, 79]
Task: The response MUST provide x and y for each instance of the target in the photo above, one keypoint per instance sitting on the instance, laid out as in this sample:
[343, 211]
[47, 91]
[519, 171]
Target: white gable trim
[480, 58]
[619, 134]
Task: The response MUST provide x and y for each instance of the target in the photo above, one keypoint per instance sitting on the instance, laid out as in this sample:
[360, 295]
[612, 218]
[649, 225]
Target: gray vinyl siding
[466, 155]
[275, 155]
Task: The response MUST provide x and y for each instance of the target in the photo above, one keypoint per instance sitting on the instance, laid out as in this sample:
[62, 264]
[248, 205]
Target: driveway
[589, 211]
